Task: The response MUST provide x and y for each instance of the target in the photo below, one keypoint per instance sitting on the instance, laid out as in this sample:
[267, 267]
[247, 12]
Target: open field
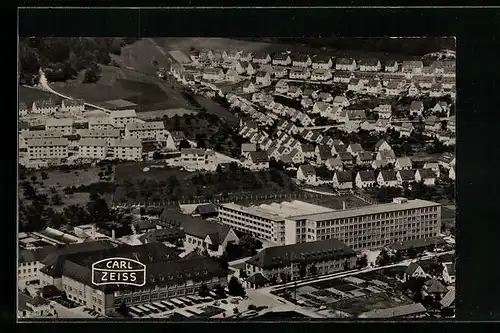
[62, 179]
[180, 57]
[218, 110]
[369, 302]
[168, 113]
[134, 172]
[185, 44]
[29, 95]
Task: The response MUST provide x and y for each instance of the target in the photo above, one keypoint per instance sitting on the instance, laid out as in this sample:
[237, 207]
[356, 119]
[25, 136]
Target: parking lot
[351, 295]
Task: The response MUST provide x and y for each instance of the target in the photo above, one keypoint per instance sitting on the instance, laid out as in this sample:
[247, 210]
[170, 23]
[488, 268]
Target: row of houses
[47, 107]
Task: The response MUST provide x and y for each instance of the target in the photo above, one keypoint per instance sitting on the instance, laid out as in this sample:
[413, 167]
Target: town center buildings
[360, 228]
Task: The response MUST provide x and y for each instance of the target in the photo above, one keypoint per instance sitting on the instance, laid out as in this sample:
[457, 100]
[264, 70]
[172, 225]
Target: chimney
[113, 234]
[343, 205]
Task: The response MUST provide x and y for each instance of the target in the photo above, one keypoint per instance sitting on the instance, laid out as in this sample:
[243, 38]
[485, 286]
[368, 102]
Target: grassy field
[29, 95]
[358, 305]
[185, 44]
[62, 179]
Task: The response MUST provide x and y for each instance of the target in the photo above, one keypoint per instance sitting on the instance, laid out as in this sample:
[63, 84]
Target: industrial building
[360, 228]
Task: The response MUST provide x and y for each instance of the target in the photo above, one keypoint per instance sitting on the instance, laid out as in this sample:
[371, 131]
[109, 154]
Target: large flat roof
[293, 208]
[254, 211]
[368, 210]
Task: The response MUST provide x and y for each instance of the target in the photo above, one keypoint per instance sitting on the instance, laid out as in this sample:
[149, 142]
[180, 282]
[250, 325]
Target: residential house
[449, 272]
[405, 176]
[370, 65]
[412, 67]
[95, 149]
[388, 155]
[23, 109]
[338, 148]
[452, 124]
[416, 108]
[63, 125]
[413, 90]
[279, 72]
[72, 105]
[250, 69]
[325, 97]
[195, 157]
[342, 180]
[382, 125]
[307, 174]
[368, 125]
[334, 163]
[394, 87]
[246, 56]
[406, 129]
[232, 55]
[232, 75]
[323, 154]
[125, 149]
[297, 156]
[403, 163]
[382, 145]
[306, 103]
[37, 307]
[345, 64]
[379, 164]
[425, 175]
[391, 66]
[261, 58]
[294, 91]
[452, 173]
[354, 119]
[322, 62]
[434, 166]
[434, 289]
[365, 179]
[249, 88]
[441, 107]
[321, 75]
[355, 149]
[281, 87]
[120, 118]
[308, 150]
[355, 85]
[346, 158]
[263, 78]
[341, 101]
[387, 178]
[282, 59]
[44, 107]
[301, 60]
[213, 74]
[247, 148]
[436, 90]
[241, 67]
[364, 158]
[343, 77]
[413, 271]
[447, 160]
[322, 108]
[152, 130]
[299, 73]
[374, 87]
[327, 141]
[259, 160]
[432, 124]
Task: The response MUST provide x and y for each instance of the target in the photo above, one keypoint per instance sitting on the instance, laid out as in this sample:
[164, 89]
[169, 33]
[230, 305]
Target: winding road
[44, 85]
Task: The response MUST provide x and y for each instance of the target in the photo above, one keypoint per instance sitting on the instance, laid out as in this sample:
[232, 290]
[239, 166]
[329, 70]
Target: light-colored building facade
[108, 135]
[93, 148]
[125, 149]
[41, 149]
[100, 123]
[72, 105]
[154, 130]
[64, 125]
[120, 118]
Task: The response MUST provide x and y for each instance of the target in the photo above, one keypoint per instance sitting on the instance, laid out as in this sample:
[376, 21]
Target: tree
[92, 74]
[44, 175]
[313, 270]
[362, 261]
[33, 178]
[203, 291]
[56, 200]
[383, 258]
[219, 291]
[98, 210]
[184, 144]
[235, 287]
[302, 270]
[235, 310]
[347, 265]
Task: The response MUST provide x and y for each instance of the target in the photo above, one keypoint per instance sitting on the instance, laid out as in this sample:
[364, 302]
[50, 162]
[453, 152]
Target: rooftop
[123, 113]
[151, 125]
[126, 143]
[398, 311]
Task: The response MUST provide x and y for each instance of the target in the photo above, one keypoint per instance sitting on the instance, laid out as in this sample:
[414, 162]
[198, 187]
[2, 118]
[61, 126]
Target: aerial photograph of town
[236, 178]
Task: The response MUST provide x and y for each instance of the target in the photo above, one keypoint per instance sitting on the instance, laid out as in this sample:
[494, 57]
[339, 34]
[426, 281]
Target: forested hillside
[63, 58]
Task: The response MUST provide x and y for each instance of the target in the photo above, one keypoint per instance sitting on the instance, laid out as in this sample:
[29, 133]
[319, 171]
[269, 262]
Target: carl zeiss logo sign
[118, 271]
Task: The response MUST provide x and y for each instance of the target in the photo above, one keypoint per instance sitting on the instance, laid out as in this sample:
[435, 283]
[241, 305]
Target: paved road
[45, 86]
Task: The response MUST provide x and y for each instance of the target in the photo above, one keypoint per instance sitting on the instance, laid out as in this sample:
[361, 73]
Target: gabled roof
[344, 61]
[387, 154]
[248, 147]
[280, 56]
[300, 57]
[308, 170]
[281, 256]
[325, 153]
[367, 175]
[343, 176]
[450, 267]
[389, 175]
[321, 59]
[416, 105]
[449, 298]
[208, 208]
[404, 162]
[258, 279]
[434, 286]
[426, 173]
[334, 161]
[259, 156]
[407, 175]
[380, 143]
[365, 156]
[355, 147]
[369, 62]
[340, 148]
[345, 156]
[307, 148]
[412, 268]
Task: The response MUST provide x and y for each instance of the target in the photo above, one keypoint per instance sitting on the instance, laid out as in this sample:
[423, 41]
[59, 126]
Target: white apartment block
[25, 136]
[93, 148]
[44, 107]
[360, 228]
[41, 149]
[108, 135]
[154, 130]
[120, 118]
[64, 125]
[72, 105]
[100, 123]
[125, 149]
[193, 157]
